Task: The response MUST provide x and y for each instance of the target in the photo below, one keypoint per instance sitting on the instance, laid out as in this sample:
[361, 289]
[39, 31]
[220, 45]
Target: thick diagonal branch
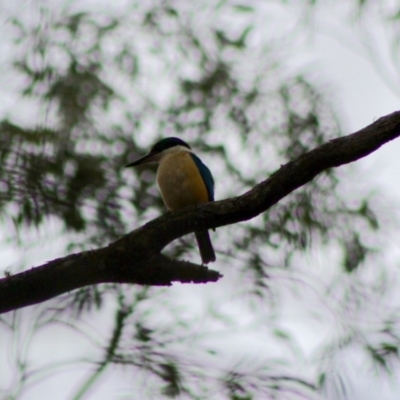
[136, 258]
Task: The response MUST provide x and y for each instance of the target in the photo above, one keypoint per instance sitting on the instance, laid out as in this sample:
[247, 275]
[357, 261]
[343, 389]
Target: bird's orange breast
[180, 181]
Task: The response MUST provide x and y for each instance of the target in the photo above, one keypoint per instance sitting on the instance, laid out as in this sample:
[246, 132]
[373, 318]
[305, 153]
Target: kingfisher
[183, 180]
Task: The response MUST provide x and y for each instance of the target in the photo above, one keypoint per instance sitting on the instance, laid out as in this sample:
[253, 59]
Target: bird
[183, 180]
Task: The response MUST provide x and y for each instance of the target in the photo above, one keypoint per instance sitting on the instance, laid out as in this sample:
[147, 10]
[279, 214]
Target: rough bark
[136, 258]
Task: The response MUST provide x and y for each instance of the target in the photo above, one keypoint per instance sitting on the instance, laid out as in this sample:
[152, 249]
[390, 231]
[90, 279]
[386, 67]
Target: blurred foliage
[105, 88]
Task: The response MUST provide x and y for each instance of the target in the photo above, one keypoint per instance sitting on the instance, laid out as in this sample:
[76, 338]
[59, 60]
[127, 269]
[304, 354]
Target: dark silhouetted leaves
[355, 253]
[76, 91]
[169, 373]
[384, 355]
[104, 105]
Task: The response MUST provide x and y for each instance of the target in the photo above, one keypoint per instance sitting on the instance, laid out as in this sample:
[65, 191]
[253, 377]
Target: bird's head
[159, 150]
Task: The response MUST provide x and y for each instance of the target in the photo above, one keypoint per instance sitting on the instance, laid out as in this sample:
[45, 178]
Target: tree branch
[136, 258]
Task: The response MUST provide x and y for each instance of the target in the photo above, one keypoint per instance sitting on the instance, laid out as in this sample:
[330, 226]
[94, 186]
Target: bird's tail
[205, 246]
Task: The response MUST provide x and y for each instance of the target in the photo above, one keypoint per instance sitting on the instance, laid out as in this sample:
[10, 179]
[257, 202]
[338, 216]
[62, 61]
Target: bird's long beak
[148, 158]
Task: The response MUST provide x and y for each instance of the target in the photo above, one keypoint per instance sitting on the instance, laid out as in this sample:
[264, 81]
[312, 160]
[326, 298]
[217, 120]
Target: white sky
[361, 95]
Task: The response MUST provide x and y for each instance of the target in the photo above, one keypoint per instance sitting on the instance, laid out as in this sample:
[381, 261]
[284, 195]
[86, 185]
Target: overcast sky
[361, 95]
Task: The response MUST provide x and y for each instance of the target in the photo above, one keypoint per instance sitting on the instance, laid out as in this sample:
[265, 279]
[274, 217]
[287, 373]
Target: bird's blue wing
[206, 175]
